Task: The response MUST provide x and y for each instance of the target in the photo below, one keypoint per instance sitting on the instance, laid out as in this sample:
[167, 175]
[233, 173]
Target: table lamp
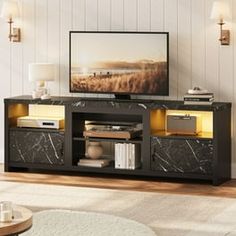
[41, 73]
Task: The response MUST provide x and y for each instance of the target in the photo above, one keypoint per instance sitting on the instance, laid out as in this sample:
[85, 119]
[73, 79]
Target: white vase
[95, 150]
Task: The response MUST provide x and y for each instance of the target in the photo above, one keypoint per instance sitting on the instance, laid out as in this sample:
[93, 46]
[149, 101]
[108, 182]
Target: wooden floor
[148, 185]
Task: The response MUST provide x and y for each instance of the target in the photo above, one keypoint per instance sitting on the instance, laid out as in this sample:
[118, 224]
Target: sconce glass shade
[220, 10]
[42, 72]
[10, 9]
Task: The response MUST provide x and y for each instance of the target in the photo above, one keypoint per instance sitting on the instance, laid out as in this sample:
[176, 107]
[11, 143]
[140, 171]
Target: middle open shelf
[117, 139]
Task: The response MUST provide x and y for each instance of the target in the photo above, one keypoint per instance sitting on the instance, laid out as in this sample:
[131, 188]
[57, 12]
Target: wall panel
[104, 15]
[144, 16]
[196, 58]
[91, 15]
[171, 26]
[198, 35]
[53, 39]
[212, 52]
[130, 15]
[157, 15]
[41, 28]
[29, 43]
[184, 47]
[78, 12]
[17, 62]
[117, 15]
[65, 26]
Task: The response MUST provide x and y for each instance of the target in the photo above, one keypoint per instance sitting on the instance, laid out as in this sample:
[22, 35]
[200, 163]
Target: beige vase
[95, 150]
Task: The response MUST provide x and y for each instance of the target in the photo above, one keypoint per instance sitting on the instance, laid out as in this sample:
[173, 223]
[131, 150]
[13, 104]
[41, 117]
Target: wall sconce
[220, 11]
[10, 11]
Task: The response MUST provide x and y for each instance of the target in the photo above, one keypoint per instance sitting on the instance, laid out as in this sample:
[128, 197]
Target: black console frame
[221, 157]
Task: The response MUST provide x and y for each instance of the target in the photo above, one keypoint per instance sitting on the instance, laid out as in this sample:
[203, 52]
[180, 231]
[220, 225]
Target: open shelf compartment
[35, 112]
[158, 123]
[80, 143]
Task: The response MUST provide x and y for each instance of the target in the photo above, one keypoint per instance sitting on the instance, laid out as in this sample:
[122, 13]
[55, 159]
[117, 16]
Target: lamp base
[40, 95]
[36, 94]
[45, 97]
[39, 92]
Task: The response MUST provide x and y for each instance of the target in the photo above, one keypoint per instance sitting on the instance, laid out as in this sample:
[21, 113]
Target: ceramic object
[6, 211]
[95, 150]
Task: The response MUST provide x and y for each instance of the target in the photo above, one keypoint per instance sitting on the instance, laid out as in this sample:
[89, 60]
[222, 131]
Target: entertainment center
[119, 136]
[204, 156]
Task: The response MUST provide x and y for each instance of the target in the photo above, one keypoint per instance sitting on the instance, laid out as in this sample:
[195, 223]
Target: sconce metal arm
[14, 33]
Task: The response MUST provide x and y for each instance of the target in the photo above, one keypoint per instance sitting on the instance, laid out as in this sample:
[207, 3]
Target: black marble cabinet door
[37, 147]
[182, 155]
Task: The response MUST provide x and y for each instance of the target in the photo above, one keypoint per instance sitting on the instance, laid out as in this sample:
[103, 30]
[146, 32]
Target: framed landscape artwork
[119, 62]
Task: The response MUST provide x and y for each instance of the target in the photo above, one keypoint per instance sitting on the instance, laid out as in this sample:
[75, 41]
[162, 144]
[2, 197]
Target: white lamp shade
[42, 72]
[10, 9]
[220, 11]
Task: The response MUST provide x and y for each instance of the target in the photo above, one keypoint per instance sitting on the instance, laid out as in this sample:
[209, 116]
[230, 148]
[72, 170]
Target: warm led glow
[207, 118]
[10, 9]
[47, 110]
[220, 11]
[17, 110]
[157, 120]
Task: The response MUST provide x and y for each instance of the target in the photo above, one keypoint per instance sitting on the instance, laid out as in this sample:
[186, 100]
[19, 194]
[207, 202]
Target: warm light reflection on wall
[47, 110]
[17, 110]
[157, 120]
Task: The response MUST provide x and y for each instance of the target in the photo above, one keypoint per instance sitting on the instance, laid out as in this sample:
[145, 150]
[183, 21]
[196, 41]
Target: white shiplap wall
[196, 58]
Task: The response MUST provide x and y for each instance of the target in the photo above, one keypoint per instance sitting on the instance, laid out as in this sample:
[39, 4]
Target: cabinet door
[37, 147]
[182, 155]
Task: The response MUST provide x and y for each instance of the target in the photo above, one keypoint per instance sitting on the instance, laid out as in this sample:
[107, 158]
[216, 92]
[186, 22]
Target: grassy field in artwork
[146, 78]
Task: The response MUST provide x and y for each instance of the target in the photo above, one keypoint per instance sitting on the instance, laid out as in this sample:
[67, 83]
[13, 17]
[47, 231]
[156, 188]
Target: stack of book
[127, 156]
[198, 99]
[94, 162]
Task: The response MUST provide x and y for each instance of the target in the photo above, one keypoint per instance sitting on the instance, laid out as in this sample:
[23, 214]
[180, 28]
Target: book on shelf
[208, 95]
[197, 99]
[127, 156]
[94, 162]
[198, 102]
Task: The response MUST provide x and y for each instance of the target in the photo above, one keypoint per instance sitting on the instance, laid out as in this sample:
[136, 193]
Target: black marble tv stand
[206, 156]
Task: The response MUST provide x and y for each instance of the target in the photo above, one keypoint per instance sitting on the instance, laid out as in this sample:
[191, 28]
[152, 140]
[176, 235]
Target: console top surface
[111, 102]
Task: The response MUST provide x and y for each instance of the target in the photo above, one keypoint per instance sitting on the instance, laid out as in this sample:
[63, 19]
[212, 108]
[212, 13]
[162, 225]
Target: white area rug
[72, 223]
[166, 214]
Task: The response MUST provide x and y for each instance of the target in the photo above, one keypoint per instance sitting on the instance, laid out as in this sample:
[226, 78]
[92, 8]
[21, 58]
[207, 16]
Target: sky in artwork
[90, 48]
